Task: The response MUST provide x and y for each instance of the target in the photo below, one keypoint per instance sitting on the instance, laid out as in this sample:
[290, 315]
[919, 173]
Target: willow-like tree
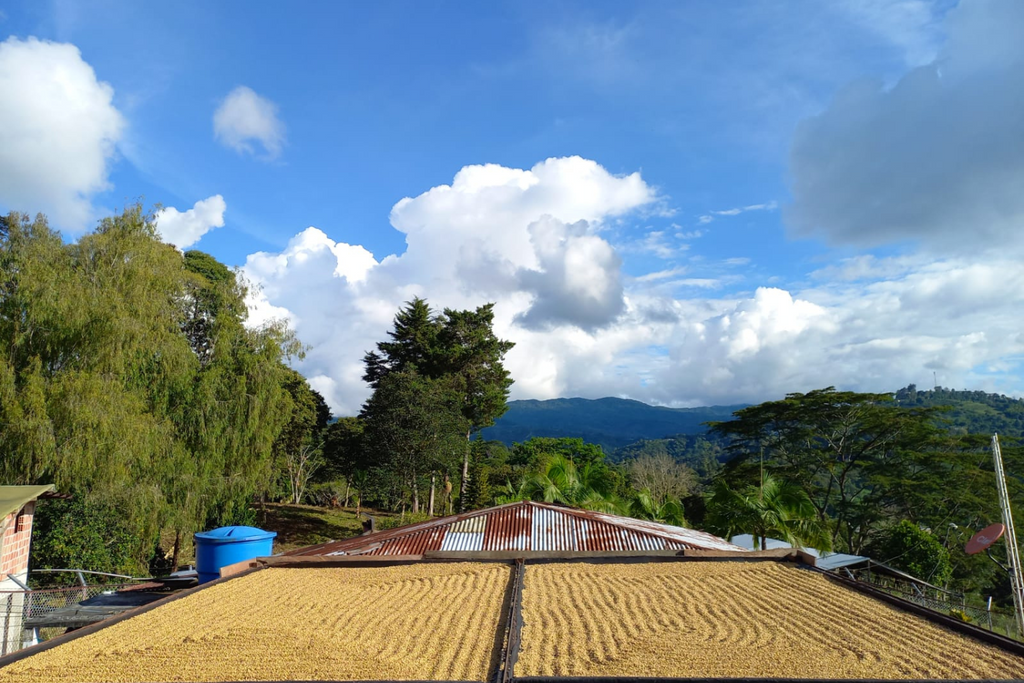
[129, 379]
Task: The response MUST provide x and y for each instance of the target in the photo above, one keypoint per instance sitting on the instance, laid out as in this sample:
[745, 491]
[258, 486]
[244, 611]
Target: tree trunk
[415, 498]
[348, 487]
[177, 550]
[447, 494]
[433, 479]
[465, 474]
[764, 543]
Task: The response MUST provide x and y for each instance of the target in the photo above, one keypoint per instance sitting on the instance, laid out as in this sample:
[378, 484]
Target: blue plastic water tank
[228, 545]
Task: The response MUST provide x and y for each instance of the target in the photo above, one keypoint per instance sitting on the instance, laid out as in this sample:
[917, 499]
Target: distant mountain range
[616, 422]
[610, 422]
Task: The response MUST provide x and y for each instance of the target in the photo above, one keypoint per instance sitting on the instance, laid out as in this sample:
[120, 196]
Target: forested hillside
[962, 412]
[626, 428]
[702, 452]
[608, 422]
[969, 412]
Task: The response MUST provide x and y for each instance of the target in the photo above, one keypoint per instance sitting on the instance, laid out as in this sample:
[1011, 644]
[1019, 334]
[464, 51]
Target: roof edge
[13, 498]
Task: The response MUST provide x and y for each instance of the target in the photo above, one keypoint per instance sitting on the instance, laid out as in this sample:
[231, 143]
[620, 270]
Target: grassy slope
[300, 525]
[297, 526]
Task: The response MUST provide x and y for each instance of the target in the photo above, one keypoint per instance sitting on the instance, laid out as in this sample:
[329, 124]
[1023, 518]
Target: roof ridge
[400, 531]
[638, 528]
[632, 524]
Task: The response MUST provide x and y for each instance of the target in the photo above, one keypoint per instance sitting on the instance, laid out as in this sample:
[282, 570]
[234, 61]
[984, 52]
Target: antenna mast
[1012, 554]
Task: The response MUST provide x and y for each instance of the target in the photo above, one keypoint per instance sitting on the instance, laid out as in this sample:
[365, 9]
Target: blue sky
[769, 197]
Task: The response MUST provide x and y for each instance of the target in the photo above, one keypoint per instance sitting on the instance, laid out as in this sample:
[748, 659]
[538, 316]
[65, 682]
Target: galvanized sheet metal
[525, 526]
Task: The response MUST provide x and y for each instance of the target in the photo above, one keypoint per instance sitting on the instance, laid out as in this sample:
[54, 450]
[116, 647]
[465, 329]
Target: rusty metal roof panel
[594, 536]
[465, 535]
[680, 537]
[526, 526]
[415, 544]
[508, 528]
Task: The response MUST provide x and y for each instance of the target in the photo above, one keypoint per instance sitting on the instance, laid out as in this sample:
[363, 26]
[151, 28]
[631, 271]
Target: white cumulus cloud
[58, 131]
[528, 239]
[245, 118]
[183, 229]
[578, 282]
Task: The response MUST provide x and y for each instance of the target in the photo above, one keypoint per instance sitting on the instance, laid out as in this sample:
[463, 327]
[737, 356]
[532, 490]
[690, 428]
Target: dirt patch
[427, 622]
[731, 619]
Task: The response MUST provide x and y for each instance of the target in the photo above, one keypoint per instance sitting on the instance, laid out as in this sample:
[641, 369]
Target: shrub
[908, 547]
[72, 534]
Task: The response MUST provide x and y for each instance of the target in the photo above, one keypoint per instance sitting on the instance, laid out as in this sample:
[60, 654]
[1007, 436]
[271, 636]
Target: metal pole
[1012, 553]
[7, 625]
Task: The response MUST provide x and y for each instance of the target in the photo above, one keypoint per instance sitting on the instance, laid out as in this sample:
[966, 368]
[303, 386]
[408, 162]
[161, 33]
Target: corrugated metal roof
[525, 526]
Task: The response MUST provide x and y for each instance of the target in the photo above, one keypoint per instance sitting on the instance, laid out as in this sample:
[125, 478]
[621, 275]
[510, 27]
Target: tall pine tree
[457, 346]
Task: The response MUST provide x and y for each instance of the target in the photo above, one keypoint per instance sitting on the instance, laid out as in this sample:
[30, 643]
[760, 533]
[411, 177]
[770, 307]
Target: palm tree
[561, 481]
[775, 509]
[644, 506]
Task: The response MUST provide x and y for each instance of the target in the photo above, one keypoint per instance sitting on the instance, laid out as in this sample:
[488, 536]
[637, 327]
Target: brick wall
[17, 542]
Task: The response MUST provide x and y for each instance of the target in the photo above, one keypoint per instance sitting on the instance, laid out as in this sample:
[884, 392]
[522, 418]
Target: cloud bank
[58, 131]
[536, 242]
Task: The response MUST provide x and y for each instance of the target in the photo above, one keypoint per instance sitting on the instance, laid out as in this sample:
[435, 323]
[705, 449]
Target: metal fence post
[7, 625]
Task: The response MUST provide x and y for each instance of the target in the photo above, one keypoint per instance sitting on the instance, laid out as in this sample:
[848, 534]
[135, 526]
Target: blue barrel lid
[234, 534]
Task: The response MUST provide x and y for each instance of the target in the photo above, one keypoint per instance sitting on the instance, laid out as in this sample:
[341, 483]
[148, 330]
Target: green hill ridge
[618, 424]
[609, 422]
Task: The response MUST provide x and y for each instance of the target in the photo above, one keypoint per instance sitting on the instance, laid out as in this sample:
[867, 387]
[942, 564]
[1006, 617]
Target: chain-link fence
[21, 611]
[993, 618]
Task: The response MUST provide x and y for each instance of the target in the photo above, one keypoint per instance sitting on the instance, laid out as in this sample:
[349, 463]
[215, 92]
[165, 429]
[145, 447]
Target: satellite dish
[984, 538]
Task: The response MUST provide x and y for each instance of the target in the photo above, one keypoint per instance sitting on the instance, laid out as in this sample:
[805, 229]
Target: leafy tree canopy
[414, 426]
[455, 345]
[457, 349]
[129, 378]
[539, 449]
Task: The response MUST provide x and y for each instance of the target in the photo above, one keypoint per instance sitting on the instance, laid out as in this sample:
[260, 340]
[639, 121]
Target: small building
[17, 508]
